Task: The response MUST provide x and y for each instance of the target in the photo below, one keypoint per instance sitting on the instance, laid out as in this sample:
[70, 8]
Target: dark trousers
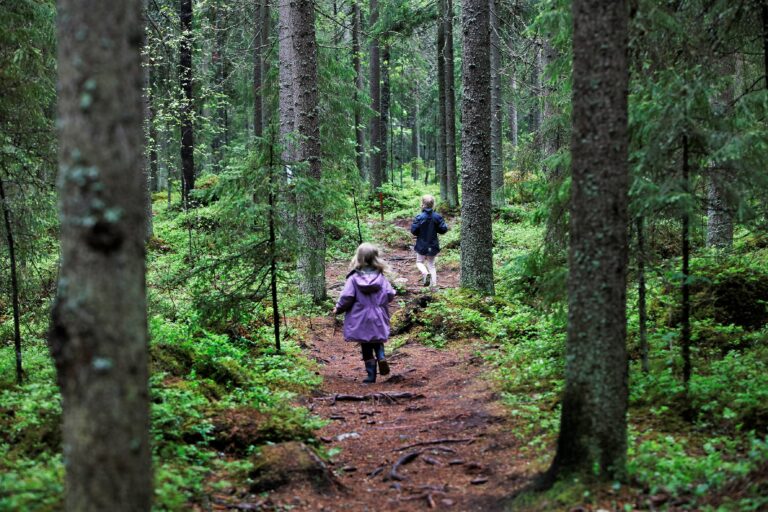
[370, 350]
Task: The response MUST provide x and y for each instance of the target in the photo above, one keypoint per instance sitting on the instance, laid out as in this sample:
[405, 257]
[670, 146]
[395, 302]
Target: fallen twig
[402, 461]
[376, 471]
[436, 441]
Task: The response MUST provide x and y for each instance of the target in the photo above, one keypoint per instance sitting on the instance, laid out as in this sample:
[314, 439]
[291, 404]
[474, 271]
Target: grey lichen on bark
[98, 336]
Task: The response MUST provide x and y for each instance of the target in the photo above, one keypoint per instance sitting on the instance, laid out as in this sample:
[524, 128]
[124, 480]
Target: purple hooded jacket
[365, 299]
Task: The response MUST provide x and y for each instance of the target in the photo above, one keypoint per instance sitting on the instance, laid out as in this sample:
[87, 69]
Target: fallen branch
[436, 441]
[402, 461]
[390, 397]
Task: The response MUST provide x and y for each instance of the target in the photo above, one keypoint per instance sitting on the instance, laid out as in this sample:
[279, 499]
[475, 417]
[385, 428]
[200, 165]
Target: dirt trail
[466, 452]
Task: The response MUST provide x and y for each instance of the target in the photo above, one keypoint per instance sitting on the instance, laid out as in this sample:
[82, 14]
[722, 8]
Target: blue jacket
[426, 226]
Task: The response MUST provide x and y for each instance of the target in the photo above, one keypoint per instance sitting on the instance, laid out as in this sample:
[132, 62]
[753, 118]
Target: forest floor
[436, 413]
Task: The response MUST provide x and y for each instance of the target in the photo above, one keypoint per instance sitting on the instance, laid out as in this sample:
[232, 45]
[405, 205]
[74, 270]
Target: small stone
[447, 502]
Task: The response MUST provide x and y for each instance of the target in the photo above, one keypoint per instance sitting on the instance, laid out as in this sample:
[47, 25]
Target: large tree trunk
[187, 107]
[476, 232]
[719, 210]
[378, 145]
[719, 204]
[258, 81]
[550, 135]
[150, 152]
[497, 157]
[219, 61]
[98, 336]
[538, 87]
[593, 425]
[309, 216]
[450, 110]
[266, 46]
[512, 106]
[359, 130]
[385, 120]
[415, 137]
[286, 86]
[440, 141]
[765, 40]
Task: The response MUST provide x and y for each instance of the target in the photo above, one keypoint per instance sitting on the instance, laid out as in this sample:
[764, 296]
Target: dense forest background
[264, 164]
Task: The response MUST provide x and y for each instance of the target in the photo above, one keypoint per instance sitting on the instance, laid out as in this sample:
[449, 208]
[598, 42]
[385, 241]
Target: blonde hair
[367, 255]
[427, 201]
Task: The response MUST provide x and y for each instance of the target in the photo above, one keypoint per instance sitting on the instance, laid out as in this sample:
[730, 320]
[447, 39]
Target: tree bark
[538, 70]
[309, 217]
[218, 59]
[512, 109]
[550, 136]
[497, 157]
[359, 130]
[720, 210]
[593, 424]
[385, 120]
[440, 158]
[266, 46]
[258, 66]
[286, 99]
[187, 108]
[415, 142]
[377, 143]
[685, 322]
[150, 151]
[98, 336]
[765, 40]
[641, 291]
[476, 232]
[14, 284]
[450, 110]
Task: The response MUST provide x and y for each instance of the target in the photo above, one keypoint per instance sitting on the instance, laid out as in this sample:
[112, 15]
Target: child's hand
[333, 312]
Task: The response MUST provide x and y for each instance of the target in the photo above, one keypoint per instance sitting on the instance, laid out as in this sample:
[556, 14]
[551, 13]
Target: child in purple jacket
[365, 300]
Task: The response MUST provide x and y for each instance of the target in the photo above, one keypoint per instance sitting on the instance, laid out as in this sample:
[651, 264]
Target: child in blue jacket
[426, 226]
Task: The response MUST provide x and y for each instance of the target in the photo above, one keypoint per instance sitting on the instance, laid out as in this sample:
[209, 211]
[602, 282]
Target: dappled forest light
[472, 255]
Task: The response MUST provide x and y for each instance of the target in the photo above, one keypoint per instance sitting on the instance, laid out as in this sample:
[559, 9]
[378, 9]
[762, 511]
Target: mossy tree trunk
[593, 425]
[98, 336]
[476, 231]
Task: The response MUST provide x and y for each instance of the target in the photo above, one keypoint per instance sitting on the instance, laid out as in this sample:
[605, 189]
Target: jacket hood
[368, 281]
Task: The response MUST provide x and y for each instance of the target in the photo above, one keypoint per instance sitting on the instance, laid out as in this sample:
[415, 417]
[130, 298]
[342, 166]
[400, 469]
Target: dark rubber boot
[383, 365]
[370, 369]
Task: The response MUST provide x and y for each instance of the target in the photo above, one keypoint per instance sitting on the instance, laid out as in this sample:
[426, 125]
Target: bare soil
[455, 443]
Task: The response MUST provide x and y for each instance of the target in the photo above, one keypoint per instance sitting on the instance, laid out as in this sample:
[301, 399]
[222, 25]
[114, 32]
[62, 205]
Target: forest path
[467, 457]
